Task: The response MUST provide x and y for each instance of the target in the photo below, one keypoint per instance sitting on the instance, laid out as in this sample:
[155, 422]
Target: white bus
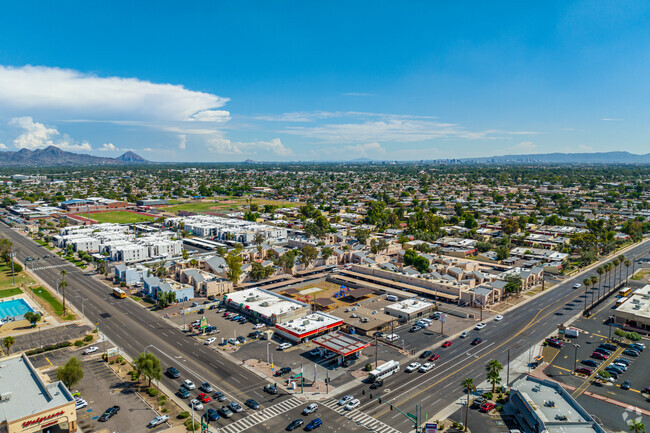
[384, 370]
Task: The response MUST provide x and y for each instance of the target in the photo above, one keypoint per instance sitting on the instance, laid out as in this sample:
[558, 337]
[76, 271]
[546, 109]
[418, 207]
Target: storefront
[30, 405]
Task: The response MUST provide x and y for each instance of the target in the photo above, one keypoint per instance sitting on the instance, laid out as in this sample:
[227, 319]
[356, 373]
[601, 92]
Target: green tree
[259, 239]
[71, 373]
[421, 264]
[307, 255]
[494, 369]
[147, 365]
[326, 253]
[510, 226]
[636, 426]
[186, 255]
[62, 285]
[234, 262]
[502, 252]
[8, 342]
[32, 317]
[259, 272]
[362, 235]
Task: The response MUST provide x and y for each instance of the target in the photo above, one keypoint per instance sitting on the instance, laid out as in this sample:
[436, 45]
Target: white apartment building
[229, 229]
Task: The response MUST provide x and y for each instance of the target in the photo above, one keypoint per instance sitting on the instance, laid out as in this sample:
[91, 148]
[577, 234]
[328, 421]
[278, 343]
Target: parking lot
[49, 336]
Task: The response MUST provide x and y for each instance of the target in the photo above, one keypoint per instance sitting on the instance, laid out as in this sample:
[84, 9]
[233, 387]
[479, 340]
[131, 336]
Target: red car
[434, 357]
[446, 343]
[584, 370]
[204, 398]
[487, 407]
[598, 355]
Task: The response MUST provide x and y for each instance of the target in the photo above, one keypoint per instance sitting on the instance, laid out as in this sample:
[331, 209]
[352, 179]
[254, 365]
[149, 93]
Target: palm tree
[494, 368]
[468, 384]
[615, 263]
[636, 426]
[627, 268]
[587, 283]
[601, 271]
[610, 266]
[8, 342]
[621, 260]
[594, 280]
[63, 285]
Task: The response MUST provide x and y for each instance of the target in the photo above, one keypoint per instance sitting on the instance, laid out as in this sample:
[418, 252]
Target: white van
[392, 298]
[392, 337]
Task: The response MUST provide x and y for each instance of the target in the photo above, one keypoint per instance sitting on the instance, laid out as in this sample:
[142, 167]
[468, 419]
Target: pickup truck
[158, 420]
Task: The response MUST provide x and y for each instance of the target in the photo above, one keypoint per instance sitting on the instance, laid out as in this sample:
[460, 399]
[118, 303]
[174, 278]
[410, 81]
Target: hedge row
[48, 348]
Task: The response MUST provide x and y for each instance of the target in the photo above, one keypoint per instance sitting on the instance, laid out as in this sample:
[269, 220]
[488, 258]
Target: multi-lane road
[134, 330]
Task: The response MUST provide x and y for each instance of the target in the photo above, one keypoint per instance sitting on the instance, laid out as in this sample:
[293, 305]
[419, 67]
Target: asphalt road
[134, 330]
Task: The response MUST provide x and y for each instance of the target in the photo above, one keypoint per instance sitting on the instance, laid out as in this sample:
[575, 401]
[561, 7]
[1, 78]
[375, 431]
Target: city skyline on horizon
[296, 82]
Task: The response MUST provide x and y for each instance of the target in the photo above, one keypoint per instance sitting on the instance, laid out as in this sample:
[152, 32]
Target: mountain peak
[130, 157]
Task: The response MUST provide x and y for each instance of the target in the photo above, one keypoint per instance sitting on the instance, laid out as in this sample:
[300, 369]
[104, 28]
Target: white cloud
[395, 129]
[108, 147]
[524, 146]
[76, 95]
[183, 141]
[226, 147]
[366, 149]
[358, 94]
[610, 119]
[3, 146]
[37, 136]
[585, 148]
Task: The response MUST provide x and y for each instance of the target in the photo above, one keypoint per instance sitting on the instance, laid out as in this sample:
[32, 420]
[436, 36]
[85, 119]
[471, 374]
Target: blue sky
[227, 81]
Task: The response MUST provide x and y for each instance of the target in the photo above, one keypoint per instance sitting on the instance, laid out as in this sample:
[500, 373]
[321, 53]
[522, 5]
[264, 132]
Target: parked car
[412, 367]
[158, 420]
[235, 407]
[603, 351]
[189, 384]
[294, 424]
[487, 406]
[271, 389]
[478, 402]
[183, 393]
[89, 350]
[426, 367]
[623, 361]
[446, 343]
[258, 326]
[283, 371]
[173, 373]
[109, 413]
[225, 412]
[608, 346]
[476, 341]
[241, 340]
[313, 407]
[252, 404]
[584, 370]
[204, 398]
[314, 424]
[345, 400]
[376, 384]
[284, 346]
[212, 414]
[426, 354]
[590, 362]
[219, 396]
[637, 346]
[210, 341]
[631, 352]
[206, 387]
[80, 404]
[196, 405]
[352, 404]
[626, 385]
[554, 343]
[415, 328]
[598, 355]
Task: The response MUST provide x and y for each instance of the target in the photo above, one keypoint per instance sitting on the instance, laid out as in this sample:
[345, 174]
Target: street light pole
[575, 356]
[82, 307]
[13, 275]
[610, 318]
[268, 357]
[376, 350]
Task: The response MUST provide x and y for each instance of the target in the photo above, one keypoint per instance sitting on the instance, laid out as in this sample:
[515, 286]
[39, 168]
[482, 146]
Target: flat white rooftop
[264, 302]
[309, 323]
[410, 306]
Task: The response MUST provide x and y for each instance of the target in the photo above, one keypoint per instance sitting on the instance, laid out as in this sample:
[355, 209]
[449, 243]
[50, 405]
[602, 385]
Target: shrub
[454, 424]
[488, 395]
[499, 408]
[104, 356]
[183, 415]
[120, 359]
[123, 363]
[95, 331]
[441, 427]
[78, 343]
[152, 392]
[192, 425]
[88, 338]
[111, 362]
[368, 367]
[633, 336]
[164, 410]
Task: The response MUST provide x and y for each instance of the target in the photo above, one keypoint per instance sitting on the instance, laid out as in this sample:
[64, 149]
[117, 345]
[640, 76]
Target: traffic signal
[370, 396]
[379, 399]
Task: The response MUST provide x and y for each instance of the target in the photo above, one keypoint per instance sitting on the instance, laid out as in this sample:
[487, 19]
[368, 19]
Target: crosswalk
[260, 416]
[52, 266]
[359, 417]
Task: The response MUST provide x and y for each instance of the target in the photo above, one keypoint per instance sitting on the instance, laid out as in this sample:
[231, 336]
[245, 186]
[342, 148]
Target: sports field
[120, 217]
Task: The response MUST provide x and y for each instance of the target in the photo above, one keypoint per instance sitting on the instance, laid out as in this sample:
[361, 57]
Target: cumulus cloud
[3, 146]
[226, 147]
[610, 119]
[366, 149]
[524, 146]
[183, 141]
[148, 149]
[77, 95]
[37, 136]
[108, 147]
[358, 94]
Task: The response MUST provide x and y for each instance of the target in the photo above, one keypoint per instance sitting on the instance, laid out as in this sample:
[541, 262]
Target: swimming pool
[14, 308]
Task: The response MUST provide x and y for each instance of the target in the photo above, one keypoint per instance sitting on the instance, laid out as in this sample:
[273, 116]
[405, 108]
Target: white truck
[571, 332]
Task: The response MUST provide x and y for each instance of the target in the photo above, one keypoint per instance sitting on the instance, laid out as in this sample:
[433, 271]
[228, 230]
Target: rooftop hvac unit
[305, 322]
[6, 396]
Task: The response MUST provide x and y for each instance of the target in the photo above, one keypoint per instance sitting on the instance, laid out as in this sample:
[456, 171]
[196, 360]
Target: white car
[427, 366]
[498, 318]
[310, 409]
[188, 384]
[577, 285]
[197, 405]
[158, 420]
[284, 346]
[210, 341]
[391, 337]
[479, 326]
[90, 350]
[353, 404]
[422, 324]
[620, 365]
[464, 334]
[80, 404]
[412, 367]
[258, 326]
[345, 400]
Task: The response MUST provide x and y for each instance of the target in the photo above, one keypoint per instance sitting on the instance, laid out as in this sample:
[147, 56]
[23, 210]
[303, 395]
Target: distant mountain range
[567, 158]
[53, 156]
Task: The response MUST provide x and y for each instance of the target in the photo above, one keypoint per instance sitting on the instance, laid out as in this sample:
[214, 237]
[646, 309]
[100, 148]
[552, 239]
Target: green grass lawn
[54, 303]
[119, 217]
[10, 292]
[224, 203]
[6, 280]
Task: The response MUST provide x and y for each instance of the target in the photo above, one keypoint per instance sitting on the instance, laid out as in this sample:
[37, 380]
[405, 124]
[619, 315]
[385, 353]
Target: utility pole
[13, 275]
[376, 350]
[575, 356]
[508, 374]
[327, 381]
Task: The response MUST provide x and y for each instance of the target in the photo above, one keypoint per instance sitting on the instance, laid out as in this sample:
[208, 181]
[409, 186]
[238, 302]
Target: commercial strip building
[634, 314]
[261, 305]
[29, 405]
[544, 406]
[307, 327]
[229, 229]
[409, 309]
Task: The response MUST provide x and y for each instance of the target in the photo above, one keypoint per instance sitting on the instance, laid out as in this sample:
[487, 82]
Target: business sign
[430, 428]
[443, 317]
[40, 419]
